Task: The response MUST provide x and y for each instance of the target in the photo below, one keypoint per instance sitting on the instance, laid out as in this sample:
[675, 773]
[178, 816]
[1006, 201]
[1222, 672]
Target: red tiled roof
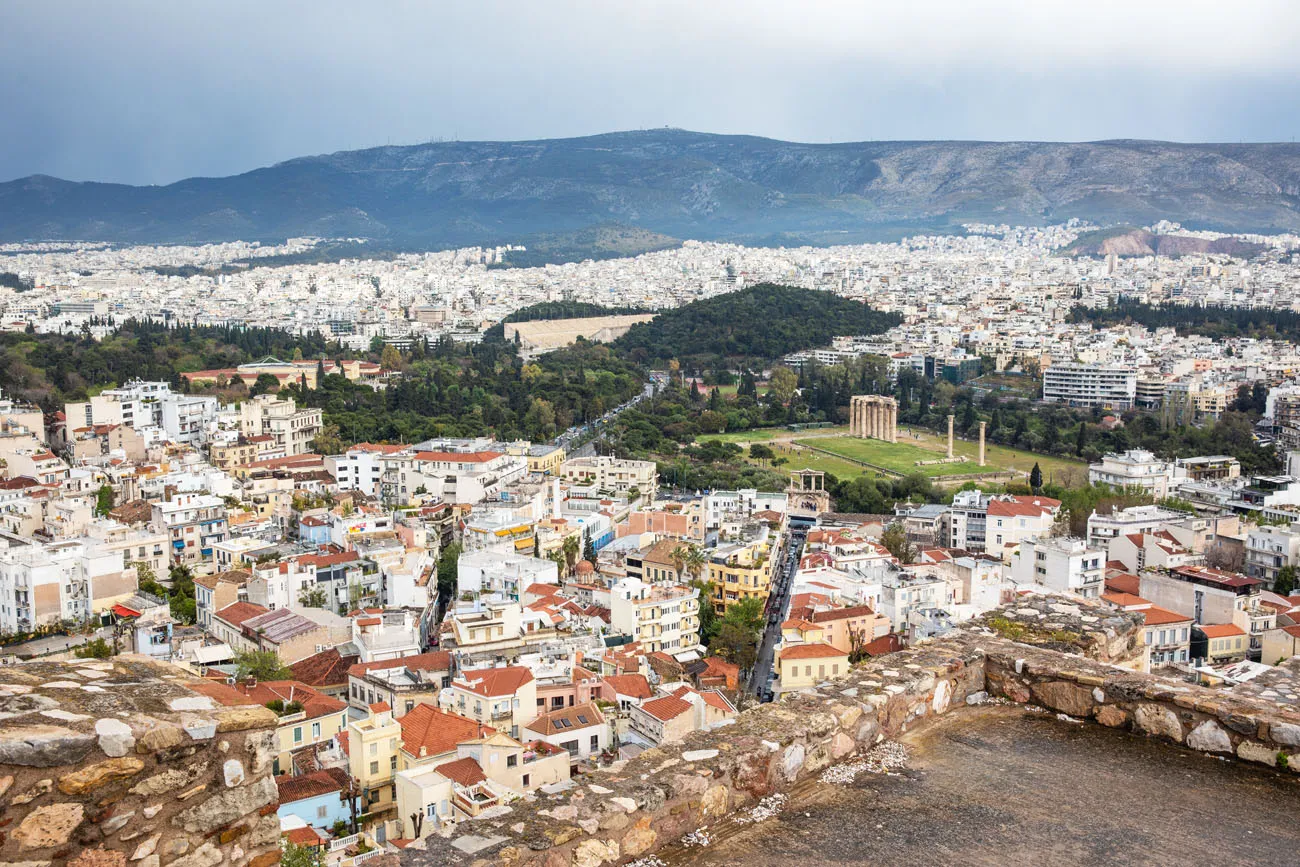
[811, 651]
[632, 685]
[311, 785]
[437, 731]
[1222, 630]
[239, 612]
[842, 613]
[667, 708]
[465, 771]
[559, 721]
[491, 682]
[890, 643]
[304, 836]
[1157, 616]
[324, 669]
[314, 704]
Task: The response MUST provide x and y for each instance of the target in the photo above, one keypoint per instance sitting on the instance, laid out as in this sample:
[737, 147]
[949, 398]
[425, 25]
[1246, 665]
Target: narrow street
[777, 601]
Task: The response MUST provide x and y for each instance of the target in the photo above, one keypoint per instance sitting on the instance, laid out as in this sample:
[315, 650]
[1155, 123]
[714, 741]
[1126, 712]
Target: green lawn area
[902, 456]
[767, 434]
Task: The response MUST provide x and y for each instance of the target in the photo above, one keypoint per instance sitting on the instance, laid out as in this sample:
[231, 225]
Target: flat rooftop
[999, 785]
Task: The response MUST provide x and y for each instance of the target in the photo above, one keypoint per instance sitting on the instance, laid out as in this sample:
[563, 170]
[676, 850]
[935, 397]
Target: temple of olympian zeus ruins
[873, 416]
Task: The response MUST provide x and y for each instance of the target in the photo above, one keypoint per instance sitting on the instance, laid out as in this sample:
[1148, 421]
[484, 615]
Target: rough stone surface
[92, 777]
[115, 737]
[49, 826]
[1112, 716]
[1066, 698]
[43, 746]
[1159, 721]
[1209, 737]
[227, 806]
[99, 858]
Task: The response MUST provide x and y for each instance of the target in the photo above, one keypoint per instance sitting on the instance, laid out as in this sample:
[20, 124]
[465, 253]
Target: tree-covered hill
[761, 323]
[1210, 321]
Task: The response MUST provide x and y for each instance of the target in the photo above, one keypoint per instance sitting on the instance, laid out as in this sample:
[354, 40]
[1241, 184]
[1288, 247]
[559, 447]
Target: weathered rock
[115, 737]
[1159, 721]
[792, 762]
[50, 826]
[38, 788]
[639, 839]
[714, 803]
[162, 737]
[117, 822]
[99, 858]
[591, 853]
[232, 772]
[226, 807]
[1252, 751]
[147, 848]
[262, 749]
[170, 780]
[91, 777]
[1114, 717]
[1209, 737]
[841, 746]
[1066, 698]
[942, 696]
[244, 717]
[42, 746]
[1285, 733]
[206, 855]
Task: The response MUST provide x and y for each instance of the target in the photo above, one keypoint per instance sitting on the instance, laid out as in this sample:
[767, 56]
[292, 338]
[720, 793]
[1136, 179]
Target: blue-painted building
[316, 798]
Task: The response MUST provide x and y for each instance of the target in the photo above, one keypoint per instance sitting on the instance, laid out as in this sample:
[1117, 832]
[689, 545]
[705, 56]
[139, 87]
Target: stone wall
[117, 761]
[1072, 658]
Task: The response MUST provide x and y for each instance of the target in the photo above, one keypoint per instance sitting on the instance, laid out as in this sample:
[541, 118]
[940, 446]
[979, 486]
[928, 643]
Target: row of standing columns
[873, 417]
[983, 428]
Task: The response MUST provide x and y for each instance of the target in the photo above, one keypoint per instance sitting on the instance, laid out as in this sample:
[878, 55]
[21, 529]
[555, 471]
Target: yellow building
[803, 666]
[372, 757]
[545, 459]
[503, 698]
[741, 572]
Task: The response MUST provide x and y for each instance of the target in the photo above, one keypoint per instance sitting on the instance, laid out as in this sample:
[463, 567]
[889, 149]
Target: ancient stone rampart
[1044, 651]
[105, 763]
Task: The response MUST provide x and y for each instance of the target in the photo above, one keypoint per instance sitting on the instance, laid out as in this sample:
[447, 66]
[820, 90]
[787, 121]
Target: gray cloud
[152, 92]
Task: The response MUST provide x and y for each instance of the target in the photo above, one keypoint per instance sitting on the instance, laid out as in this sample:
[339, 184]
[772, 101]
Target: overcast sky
[153, 92]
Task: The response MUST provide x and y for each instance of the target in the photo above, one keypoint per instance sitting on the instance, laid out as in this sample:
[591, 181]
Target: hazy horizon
[137, 92]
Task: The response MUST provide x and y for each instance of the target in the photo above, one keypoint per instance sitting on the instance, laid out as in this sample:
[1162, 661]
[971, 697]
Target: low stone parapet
[105, 762]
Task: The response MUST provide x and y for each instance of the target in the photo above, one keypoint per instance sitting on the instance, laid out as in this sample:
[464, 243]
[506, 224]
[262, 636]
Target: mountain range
[674, 184]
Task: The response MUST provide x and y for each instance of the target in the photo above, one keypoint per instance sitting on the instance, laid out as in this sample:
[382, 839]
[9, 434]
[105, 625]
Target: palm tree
[571, 548]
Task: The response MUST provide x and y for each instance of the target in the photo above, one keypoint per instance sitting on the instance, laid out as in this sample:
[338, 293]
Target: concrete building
[291, 429]
[1136, 468]
[1269, 550]
[660, 617]
[1086, 385]
[1063, 564]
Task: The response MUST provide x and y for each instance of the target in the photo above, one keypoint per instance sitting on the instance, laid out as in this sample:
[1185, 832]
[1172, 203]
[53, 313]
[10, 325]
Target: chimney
[424, 751]
[250, 682]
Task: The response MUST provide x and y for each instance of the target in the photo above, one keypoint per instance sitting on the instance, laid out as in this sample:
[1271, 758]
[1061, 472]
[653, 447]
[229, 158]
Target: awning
[122, 611]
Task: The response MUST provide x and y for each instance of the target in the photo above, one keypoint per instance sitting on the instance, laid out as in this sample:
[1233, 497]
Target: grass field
[900, 457]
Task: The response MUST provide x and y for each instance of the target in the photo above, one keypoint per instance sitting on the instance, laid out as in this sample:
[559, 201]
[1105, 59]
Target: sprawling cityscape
[648, 498]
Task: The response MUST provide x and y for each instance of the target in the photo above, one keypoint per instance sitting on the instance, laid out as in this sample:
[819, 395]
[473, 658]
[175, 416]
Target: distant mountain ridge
[1127, 241]
[678, 184]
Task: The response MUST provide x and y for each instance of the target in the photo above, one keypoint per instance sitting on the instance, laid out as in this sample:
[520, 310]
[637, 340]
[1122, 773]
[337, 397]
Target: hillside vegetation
[1211, 321]
[657, 186]
[760, 323]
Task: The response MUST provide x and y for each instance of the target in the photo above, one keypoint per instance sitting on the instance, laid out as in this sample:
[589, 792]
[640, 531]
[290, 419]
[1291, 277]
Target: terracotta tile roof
[239, 612]
[437, 732]
[1124, 600]
[1222, 630]
[314, 704]
[811, 651]
[311, 785]
[305, 836]
[842, 613]
[667, 708]
[891, 643]
[560, 721]
[465, 771]
[324, 669]
[715, 699]
[1123, 582]
[631, 685]
[1157, 616]
[492, 682]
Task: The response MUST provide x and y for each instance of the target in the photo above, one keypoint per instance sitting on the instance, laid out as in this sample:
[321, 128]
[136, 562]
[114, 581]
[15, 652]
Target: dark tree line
[1210, 321]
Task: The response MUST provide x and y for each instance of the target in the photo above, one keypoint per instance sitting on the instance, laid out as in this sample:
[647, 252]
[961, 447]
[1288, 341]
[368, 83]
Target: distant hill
[760, 323]
[1128, 241]
[674, 184]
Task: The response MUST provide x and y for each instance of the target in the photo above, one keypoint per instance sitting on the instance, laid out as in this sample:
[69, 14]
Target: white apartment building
[723, 506]
[360, 468]
[509, 574]
[193, 523]
[1102, 528]
[151, 409]
[41, 585]
[1079, 384]
[1270, 549]
[292, 429]
[1136, 468]
[660, 617]
[456, 477]
[613, 474]
[1065, 564]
